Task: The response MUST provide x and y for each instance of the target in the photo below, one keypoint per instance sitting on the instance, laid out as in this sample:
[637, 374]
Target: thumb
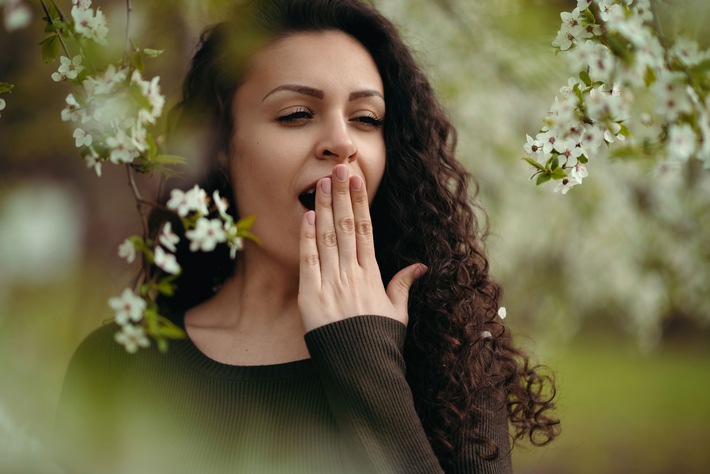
[398, 288]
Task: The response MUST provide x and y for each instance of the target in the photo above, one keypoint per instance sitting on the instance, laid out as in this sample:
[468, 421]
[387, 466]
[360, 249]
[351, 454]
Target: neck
[254, 317]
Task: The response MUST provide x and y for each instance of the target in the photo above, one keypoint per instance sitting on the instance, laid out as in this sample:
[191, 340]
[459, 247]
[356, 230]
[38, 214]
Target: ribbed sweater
[347, 409]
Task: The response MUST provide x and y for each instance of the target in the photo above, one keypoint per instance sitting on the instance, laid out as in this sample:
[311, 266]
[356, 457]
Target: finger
[343, 217]
[365, 246]
[326, 238]
[310, 275]
[398, 288]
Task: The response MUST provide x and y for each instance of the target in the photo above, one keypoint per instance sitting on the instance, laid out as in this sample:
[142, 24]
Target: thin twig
[128, 43]
[139, 200]
[49, 19]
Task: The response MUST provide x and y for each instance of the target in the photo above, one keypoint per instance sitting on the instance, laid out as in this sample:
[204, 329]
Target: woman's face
[309, 101]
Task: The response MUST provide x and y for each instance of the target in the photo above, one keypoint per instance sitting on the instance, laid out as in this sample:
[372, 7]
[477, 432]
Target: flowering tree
[638, 93]
[114, 111]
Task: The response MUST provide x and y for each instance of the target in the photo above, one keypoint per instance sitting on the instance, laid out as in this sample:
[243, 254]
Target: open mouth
[308, 199]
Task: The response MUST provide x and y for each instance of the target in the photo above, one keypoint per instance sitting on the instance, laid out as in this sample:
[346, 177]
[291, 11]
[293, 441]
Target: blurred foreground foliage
[624, 259]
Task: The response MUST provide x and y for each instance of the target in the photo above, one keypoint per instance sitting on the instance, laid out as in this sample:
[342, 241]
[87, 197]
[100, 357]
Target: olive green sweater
[347, 409]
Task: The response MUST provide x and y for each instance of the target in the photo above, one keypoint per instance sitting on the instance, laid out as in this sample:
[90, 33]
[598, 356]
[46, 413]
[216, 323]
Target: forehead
[324, 59]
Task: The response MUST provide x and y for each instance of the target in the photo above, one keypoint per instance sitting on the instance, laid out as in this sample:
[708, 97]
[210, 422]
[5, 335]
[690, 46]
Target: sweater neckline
[198, 360]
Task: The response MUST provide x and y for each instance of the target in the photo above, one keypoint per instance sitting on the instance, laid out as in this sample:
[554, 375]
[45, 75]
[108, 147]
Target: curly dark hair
[461, 361]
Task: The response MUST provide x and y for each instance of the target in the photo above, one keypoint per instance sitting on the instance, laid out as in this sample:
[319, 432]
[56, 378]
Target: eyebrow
[319, 94]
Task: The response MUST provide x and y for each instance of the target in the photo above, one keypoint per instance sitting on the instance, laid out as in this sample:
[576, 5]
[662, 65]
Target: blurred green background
[608, 285]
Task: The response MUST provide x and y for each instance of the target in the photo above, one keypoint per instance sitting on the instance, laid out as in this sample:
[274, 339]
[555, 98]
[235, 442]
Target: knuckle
[311, 259]
[360, 199]
[364, 228]
[309, 234]
[346, 224]
[330, 239]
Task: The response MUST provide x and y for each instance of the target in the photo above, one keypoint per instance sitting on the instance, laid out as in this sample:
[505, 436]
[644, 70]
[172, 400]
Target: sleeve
[361, 366]
[363, 371]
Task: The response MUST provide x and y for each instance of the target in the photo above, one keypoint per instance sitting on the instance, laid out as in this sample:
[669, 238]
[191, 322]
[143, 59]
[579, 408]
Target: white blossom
[591, 139]
[93, 162]
[167, 238]
[548, 139]
[569, 151]
[106, 82]
[682, 141]
[221, 203]
[127, 250]
[2, 104]
[166, 261]
[133, 338]
[642, 10]
[90, 24]
[82, 138]
[565, 185]
[186, 202]
[72, 111]
[122, 148]
[486, 335]
[610, 12]
[502, 312]
[128, 307]
[151, 91]
[206, 235]
[533, 148]
[68, 68]
[81, 4]
[579, 172]
[671, 96]
[687, 52]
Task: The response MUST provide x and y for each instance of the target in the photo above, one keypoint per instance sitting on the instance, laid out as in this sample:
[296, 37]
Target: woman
[361, 334]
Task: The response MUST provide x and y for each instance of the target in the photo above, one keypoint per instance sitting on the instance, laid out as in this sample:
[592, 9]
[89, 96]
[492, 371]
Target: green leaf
[250, 235]
[153, 53]
[584, 76]
[624, 130]
[246, 223]
[534, 163]
[137, 61]
[170, 159]
[701, 67]
[555, 162]
[542, 178]
[649, 77]
[583, 159]
[166, 288]
[162, 345]
[6, 87]
[558, 173]
[50, 48]
[169, 330]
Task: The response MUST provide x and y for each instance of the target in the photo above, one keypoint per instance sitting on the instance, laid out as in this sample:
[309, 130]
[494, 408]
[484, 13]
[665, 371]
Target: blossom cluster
[113, 110]
[206, 225]
[620, 54]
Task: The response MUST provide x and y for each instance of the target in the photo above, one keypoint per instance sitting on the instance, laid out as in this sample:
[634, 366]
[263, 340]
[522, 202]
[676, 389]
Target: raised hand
[339, 275]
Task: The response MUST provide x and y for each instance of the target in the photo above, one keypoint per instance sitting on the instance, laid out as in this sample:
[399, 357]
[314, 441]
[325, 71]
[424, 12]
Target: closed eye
[295, 117]
[370, 120]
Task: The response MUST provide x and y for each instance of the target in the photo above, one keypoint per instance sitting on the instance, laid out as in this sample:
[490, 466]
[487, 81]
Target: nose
[336, 142]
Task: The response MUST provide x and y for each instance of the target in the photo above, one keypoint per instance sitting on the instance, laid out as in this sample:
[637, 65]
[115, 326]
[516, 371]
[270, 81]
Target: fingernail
[421, 270]
[325, 185]
[356, 182]
[311, 217]
[341, 172]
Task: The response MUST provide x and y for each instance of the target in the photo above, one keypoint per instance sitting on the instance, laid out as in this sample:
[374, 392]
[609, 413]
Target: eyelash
[305, 114]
